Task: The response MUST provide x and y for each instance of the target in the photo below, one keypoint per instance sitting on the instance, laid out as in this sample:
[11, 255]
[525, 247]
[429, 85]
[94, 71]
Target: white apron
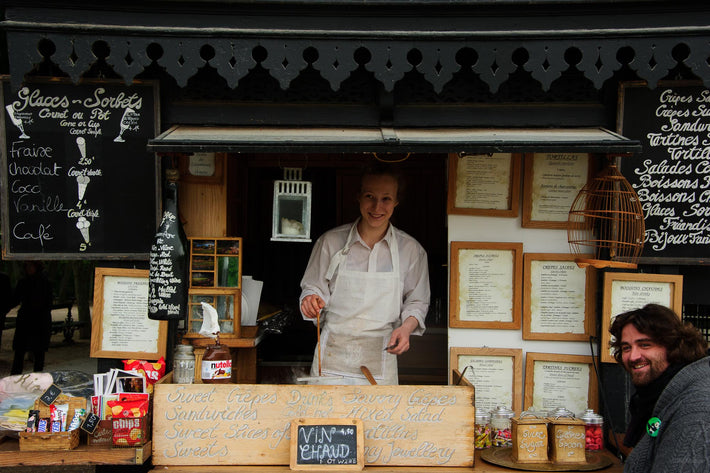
[358, 322]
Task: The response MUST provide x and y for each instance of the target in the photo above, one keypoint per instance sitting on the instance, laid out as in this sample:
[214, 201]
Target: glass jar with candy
[501, 427]
[482, 431]
[593, 430]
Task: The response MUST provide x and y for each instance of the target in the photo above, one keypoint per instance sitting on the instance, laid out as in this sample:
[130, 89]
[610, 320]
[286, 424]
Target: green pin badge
[652, 426]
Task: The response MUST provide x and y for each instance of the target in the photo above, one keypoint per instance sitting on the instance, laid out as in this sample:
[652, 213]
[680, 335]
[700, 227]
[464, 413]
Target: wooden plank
[481, 467]
[82, 455]
[249, 424]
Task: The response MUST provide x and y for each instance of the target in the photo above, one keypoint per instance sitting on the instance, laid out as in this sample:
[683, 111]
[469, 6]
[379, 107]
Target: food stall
[498, 114]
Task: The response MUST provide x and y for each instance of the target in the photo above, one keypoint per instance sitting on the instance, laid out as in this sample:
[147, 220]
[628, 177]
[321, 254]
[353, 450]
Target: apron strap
[340, 256]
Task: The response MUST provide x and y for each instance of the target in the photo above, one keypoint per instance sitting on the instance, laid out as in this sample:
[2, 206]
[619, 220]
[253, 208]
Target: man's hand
[399, 340]
[311, 305]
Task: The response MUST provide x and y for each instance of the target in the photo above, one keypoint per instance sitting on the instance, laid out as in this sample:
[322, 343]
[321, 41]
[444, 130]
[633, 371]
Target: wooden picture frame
[120, 327]
[551, 182]
[558, 298]
[557, 380]
[629, 291]
[493, 271]
[494, 365]
[202, 167]
[484, 184]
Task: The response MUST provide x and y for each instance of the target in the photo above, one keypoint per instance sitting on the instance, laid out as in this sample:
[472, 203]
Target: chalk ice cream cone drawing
[81, 143]
[82, 182]
[16, 121]
[83, 225]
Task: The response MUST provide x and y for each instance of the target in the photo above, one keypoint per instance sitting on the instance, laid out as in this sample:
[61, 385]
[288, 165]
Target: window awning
[190, 139]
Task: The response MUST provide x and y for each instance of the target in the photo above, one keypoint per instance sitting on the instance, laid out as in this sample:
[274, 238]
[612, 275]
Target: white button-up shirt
[413, 268]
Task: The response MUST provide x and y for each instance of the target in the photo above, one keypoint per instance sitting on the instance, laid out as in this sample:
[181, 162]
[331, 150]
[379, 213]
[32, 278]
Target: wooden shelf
[249, 337]
[10, 455]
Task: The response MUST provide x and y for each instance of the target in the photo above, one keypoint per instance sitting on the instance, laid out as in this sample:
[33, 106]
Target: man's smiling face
[644, 359]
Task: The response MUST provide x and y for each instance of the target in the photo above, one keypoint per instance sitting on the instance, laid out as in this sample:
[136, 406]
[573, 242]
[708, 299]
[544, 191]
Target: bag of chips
[152, 371]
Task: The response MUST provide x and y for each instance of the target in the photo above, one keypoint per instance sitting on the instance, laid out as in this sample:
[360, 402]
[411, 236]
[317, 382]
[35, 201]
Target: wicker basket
[53, 440]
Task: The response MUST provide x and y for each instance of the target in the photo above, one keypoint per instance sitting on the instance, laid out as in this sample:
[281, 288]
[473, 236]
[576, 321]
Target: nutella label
[216, 369]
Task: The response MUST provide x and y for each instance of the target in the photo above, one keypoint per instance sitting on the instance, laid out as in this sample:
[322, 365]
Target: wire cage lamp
[605, 226]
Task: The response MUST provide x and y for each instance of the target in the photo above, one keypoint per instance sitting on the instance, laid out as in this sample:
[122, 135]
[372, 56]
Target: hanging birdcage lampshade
[605, 223]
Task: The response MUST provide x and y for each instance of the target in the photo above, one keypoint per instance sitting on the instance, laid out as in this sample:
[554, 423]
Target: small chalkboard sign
[90, 423]
[327, 444]
[50, 395]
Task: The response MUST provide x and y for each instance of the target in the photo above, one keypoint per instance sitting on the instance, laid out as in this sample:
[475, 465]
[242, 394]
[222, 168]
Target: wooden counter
[10, 455]
[480, 467]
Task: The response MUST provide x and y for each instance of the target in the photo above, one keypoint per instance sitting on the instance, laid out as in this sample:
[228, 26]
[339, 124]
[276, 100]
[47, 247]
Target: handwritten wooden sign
[250, 424]
[322, 444]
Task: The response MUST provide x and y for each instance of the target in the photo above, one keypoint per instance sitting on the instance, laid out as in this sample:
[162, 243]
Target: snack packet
[152, 371]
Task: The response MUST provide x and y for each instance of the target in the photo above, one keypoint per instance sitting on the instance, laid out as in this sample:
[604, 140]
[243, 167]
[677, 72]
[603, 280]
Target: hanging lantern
[291, 218]
[605, 223]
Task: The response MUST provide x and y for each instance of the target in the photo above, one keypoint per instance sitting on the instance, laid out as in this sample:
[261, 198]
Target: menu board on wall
[77, 179]
[672, 176]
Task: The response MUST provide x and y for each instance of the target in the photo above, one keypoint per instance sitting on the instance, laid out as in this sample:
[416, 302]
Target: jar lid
[482, 417]
[502, 411]
[561, 412]
[590, 417]
[183, 348]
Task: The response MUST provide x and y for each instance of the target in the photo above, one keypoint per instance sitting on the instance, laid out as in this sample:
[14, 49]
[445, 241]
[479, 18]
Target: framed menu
[485, 285]
[629, 291]
[554, 380]
[202, 167]
[558, 298]
[550, 185]
[120, 327]
[496, 374]
[484, 184]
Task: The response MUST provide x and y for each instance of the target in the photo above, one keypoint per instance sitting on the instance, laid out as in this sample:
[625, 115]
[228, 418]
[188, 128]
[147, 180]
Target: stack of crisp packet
[122, 397]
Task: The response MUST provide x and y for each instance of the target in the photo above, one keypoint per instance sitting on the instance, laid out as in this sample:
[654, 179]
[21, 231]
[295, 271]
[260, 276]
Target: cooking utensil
[366, 371]
[320, 366]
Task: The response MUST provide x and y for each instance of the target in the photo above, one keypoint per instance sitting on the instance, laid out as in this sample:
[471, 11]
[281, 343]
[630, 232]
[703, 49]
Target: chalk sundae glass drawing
[16, 121]
[83, 225]
[129, 117]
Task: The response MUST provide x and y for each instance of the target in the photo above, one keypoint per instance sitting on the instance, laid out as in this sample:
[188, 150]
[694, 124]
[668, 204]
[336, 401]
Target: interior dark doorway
[335, 182]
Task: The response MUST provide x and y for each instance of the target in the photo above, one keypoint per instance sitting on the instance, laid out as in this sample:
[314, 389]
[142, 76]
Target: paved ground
[61, 356]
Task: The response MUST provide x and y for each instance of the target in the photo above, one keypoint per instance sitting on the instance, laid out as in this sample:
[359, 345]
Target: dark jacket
[34, 317]
[682, 443]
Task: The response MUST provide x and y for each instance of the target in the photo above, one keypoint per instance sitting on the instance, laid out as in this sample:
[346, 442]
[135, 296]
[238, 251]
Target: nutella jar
[217, 365]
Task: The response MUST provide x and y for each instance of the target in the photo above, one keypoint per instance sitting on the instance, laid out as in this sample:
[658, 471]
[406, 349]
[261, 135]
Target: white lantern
[291, 219]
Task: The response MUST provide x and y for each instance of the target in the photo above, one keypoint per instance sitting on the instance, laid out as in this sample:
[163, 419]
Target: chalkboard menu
[77, 180]
[324, 443]
[672, 176]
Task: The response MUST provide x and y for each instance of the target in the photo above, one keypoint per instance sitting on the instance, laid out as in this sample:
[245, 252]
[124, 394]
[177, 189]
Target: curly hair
[683, 342]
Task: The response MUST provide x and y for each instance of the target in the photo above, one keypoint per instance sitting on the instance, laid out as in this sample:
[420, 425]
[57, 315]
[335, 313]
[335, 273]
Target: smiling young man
[369, 282]
[670, 410]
